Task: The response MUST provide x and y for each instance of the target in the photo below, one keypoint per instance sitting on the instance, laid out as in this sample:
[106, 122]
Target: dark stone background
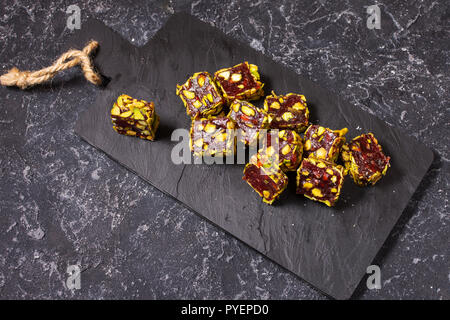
[62, 202]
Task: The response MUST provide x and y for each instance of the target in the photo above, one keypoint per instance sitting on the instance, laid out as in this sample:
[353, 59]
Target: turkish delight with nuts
[200, 96]
[267, 179]
[249, 119]
[212, 136]
[240, 82]
[288, 112]
[134, 117]
[365, 160]
[320, 180]
[323, 143]
[289, 145]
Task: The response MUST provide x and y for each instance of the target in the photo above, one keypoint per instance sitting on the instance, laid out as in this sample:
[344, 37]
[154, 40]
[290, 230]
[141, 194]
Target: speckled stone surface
[63, 202]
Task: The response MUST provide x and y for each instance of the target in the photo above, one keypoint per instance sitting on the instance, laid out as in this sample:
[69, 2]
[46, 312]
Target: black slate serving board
[328, 247]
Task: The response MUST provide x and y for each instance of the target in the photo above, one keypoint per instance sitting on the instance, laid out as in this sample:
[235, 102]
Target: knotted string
[69, 59]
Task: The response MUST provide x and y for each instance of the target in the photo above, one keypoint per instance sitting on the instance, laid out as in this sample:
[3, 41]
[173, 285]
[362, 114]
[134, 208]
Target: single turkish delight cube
[323, 143]
[249, 119]
[320, 180]
[200, 96]
[240, 82]
[134, 117]
[288, 112]
[289, 145]
[267, 180]
[212, 136]
[365, 160]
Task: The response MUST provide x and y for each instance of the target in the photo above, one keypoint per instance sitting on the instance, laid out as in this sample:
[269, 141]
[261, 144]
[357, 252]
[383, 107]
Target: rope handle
[69, 59]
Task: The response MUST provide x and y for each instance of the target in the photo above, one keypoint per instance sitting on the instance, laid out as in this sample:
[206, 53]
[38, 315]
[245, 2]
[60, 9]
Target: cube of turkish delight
[320, 180]
[365, 160]
[288, 112]
[200, 96]
[249, 119]
[212, 136]
[289, 145]
[269, 182]
[323, 143]
[240, 82]
[134, 117]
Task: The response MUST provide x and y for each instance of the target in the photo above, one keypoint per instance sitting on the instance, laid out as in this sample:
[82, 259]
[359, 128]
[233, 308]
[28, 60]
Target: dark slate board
[328, 247]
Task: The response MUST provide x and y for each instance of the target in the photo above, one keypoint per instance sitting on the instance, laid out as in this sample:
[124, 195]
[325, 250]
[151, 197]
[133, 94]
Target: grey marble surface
[62, 202]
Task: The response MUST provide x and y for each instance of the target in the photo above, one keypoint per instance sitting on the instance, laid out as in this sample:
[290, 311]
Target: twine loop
[69, 59]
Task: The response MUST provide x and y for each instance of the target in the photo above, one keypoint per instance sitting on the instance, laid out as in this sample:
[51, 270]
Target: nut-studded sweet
[134, 117]
[288, 112]
[200, 96]
[365, 160]
[240, 82]
[249, 119]
[323, 143]
[212, 136]
[320, 180]
[267, 180]
[290, 148]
